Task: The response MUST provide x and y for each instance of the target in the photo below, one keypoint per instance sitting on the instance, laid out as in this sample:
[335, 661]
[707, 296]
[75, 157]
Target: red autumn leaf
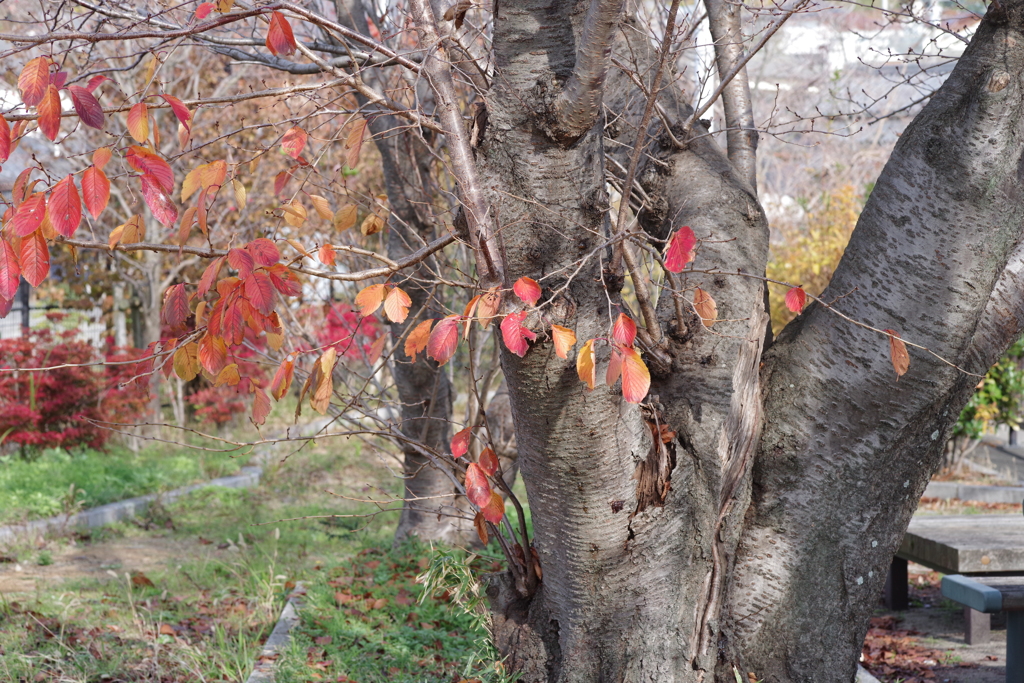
[65, 207]
[181, 112]
[282, 378]
[489, 461]
[515, 335]
[204, 10]
[795, 299]
[495, 508]
[34, 80]
[417, 339]
[285, 281]
[175, 310]
[260, 292]
[94, 82]
[35, 259]
[144, 161]
[280, 180]
[636, 379]
[460, 442]
[159, 204]
[369, 299]
[5, 140]
[242, 261]
[444, 339]
[327, 254]
[29, 216]
[528, 290]
[293, 141]
[58, 79]
[210, 275]
[86, 106]
[213, 354]
[10, 271]
[624, 330]
[680, 249]
[898, 354]
[49, 113]
[260, 406]
[280, 40]
[138, 122]
[478, 489]
[264, 252]
[396, 305]
[95, 190]
[611, 375]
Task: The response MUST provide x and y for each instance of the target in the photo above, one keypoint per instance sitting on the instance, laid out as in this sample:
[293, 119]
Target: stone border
[982, 494]
[278, 639]
[864, 676]
[125, 509]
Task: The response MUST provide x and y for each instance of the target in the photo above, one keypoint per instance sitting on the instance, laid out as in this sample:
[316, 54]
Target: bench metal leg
[1015, 647]
[896, 588]
[977, 626]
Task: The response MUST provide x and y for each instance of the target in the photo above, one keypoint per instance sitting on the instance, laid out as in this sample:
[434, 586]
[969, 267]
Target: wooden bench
[975, 545]
[995, 594]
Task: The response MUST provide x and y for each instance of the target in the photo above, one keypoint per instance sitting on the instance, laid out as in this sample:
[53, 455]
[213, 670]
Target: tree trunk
[728, 547]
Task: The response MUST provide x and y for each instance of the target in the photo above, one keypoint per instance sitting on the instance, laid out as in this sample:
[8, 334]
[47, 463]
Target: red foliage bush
[59, 408]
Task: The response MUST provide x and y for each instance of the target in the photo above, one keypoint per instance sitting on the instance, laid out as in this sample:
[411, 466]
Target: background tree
[721, 494]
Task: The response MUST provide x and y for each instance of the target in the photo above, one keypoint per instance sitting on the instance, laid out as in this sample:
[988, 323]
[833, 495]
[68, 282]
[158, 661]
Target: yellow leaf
[346, 217]
[294, 214]
[186, 361]
[586, 366]
[229, 376]
[239, 189]
[371, 224]
[322, 207]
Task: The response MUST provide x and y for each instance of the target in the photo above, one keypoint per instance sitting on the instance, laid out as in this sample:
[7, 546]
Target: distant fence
[88, 325]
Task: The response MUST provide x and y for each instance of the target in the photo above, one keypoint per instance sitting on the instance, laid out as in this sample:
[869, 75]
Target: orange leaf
[564, 339]
[478, 489]
[327, 255]
[282, 378]
[345, 217]
[444, 339]
[680, 249]
[354, 143]
[480, 524]
[898, 354]
[586, 366]
[369, 299]
[611, 375]
[213, 353]
[488, 307]
[795, 299]
[95, 190]
[377, 348]
[293, 141]
[280, 40]
[636, 379]
[495, 508]
[624, 330]
[35, 259]
[489, 461]
[138, 122]
[49, 113]
[417, 339]
[514, 334]
[228, 376]
[396, 305]
[528, 290]
[210, 275]
[65, 207]
[260, 406]
[34, 80]
[322, 207]
[460, 442]
[147, 162]
[705, 307]
[100, 157]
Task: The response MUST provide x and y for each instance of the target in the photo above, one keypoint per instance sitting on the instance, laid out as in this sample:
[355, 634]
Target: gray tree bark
[759, 536]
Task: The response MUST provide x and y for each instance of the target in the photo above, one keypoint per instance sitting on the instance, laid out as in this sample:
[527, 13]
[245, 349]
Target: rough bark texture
[764, 518]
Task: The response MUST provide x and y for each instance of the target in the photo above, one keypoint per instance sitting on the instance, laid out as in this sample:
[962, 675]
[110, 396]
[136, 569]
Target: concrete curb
[983, 494]
[278, 639]
[124, 509]
[864, 676]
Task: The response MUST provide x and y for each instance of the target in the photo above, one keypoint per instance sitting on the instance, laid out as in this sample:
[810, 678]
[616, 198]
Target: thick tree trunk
[729, 547]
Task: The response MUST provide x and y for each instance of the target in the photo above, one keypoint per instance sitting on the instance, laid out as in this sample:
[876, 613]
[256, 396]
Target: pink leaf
[680, 249]
[528, 290]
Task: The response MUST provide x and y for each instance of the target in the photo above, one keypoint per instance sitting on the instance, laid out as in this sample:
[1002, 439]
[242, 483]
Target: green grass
[203, 613]
[42, 487]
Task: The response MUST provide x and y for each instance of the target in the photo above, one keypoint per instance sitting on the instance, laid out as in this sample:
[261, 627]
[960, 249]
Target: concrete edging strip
[982, 494]
[266, 662]
[125, 509]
